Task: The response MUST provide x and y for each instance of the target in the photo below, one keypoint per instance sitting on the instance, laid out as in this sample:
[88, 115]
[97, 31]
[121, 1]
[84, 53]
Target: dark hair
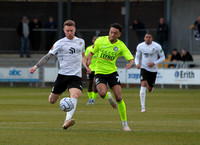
[117, 26]
[184, 49]
[69, 23]
[35, 17]
[175, 49]
[148, 32]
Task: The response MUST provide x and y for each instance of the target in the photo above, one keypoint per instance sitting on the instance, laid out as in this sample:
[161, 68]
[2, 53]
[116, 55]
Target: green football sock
[107, 96]
[122, 110]
[89, 95]
[94, 95]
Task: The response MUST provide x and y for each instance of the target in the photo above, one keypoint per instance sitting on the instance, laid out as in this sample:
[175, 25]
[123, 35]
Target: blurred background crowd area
[93, 17]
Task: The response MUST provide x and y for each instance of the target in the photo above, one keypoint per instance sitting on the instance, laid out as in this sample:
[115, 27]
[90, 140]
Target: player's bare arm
[130, 64]
[89, 58]
[84, 62]
[41, 62]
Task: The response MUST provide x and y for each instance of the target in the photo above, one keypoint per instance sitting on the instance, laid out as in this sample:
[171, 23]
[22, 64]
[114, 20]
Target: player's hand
[138, 66]
[33, 69]
[128, 66]
[88, 70]
[151, 64]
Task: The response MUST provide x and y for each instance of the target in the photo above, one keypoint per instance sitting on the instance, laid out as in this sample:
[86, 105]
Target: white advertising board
[122, 75]
[50, 74]
[164, 76]
[18, 74]
[181, 76]
[133, 76]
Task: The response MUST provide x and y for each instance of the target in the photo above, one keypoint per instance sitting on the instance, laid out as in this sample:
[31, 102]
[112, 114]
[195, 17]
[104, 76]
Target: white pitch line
[35, 128]
[117, 130]
[111, 122]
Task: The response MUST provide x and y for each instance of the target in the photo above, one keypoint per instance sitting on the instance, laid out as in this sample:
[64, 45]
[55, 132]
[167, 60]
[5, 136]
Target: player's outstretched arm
[41, 62]
[84, 62]
[130, 64]
[89, 58]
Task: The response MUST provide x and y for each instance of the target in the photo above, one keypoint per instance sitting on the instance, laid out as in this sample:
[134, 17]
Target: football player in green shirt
[109, 48]
[92, 91]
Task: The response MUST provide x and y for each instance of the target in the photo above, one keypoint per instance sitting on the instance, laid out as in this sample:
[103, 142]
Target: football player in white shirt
[70, 54]
[152, 55]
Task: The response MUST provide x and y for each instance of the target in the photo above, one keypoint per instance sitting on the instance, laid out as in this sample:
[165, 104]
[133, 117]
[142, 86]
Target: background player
[92, 91]
[70, 53]
[150, 51]
[109, 48]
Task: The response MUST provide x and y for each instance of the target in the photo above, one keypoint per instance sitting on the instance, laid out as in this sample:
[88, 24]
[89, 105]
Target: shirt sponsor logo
[72, 50]
[148, 54]
[108, 55]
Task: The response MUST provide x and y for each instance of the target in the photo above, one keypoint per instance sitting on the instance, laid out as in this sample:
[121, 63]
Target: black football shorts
[110, 79]
[64, 82]
[148, 76]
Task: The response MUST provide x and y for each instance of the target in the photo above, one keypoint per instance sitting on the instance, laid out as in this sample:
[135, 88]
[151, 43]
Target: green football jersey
[94, 58]
[108, 54]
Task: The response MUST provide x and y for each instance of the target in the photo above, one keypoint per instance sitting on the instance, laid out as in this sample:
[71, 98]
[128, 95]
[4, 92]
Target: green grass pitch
[172, 118]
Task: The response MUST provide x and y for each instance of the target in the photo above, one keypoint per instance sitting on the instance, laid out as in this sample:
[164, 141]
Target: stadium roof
[78, 0]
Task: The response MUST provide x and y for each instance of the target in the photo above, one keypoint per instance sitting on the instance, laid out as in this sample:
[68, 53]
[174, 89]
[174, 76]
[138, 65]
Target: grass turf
[172, 118]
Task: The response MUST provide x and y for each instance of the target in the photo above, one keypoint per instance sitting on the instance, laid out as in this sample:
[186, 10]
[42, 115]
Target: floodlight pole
[127, 5]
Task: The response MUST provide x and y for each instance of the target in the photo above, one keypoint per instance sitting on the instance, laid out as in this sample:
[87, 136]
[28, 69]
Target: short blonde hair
[69, 23]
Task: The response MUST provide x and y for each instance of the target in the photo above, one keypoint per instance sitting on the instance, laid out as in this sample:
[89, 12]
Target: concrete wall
[184, 13]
